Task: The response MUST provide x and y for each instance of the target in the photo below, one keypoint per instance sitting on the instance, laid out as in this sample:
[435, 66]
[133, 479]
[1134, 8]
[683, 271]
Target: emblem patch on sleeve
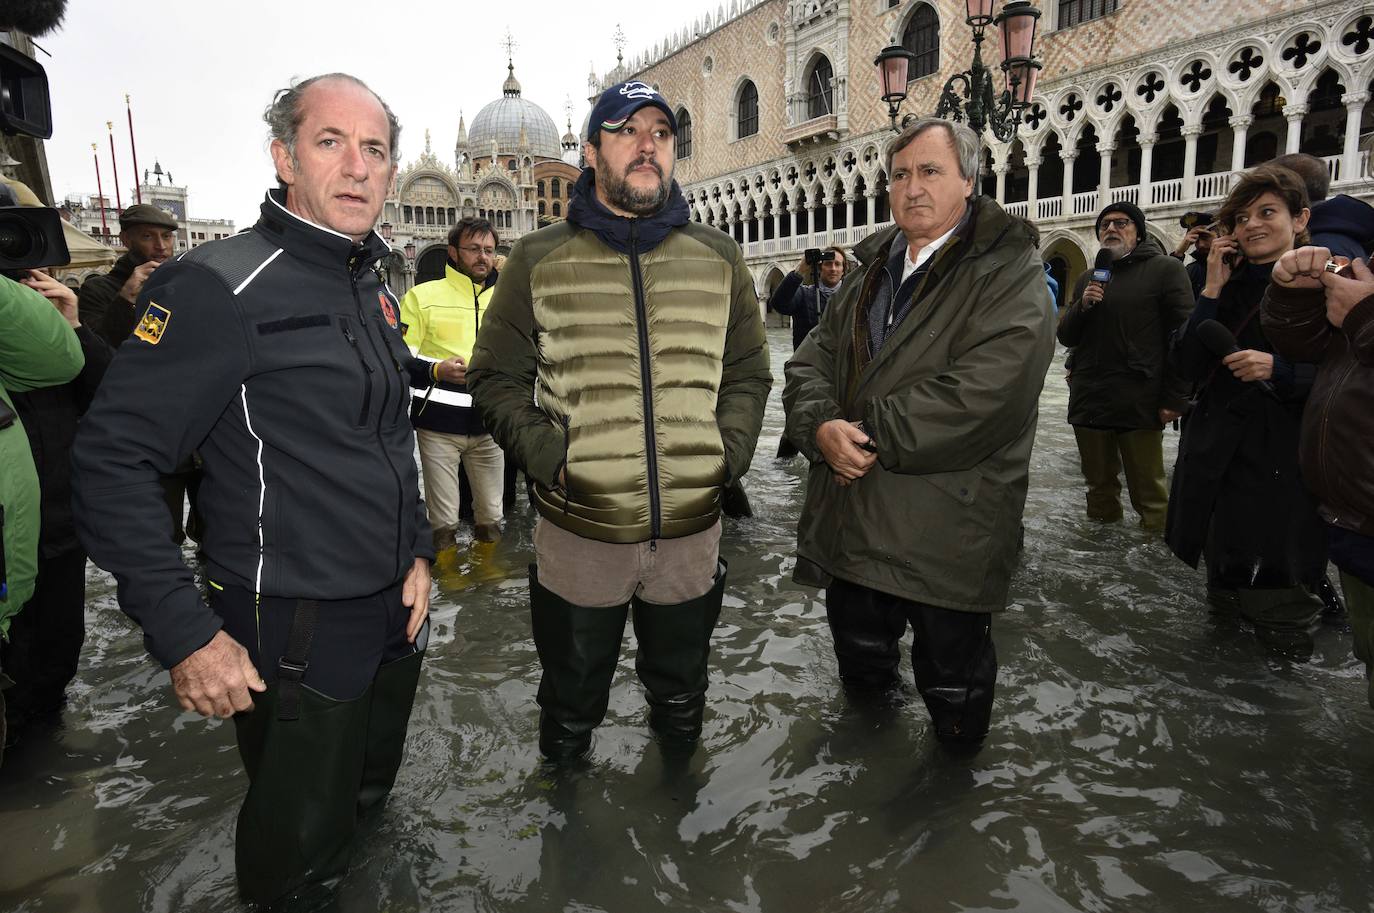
[153, 324]
[388, 310]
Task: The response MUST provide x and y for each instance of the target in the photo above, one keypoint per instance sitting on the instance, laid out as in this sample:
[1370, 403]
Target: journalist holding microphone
[1238, 501]
[1121, 393]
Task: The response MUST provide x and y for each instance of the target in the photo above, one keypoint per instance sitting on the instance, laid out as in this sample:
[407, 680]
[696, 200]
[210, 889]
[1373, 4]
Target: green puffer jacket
[37, 349]
[951, 403]
[561, 378]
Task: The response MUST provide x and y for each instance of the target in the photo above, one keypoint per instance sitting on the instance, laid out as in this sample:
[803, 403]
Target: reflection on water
[1142, 757]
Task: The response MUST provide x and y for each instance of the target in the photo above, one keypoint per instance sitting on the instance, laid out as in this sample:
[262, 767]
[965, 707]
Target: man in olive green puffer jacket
[915, 399]
[622, 362]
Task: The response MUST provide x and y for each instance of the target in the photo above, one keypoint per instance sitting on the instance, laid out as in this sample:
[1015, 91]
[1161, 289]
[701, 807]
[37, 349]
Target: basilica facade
[782, 129]
[503, 169]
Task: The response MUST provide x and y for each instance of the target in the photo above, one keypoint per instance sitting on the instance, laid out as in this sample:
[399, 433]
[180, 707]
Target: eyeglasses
[1116, 224]
[480, 251]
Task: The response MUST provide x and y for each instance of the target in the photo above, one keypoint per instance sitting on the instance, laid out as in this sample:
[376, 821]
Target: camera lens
[16, 239]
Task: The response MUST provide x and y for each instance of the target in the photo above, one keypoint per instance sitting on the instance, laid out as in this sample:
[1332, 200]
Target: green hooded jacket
[37, 349]
[950, 402]
[643, 379]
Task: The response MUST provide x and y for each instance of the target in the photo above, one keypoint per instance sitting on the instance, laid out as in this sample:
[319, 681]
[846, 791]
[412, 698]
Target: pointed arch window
[683, 140]
[922, 38]
[820, 94]
[747, 110]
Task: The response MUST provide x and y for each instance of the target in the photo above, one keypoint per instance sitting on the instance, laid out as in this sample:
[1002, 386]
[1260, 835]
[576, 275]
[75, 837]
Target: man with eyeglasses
[441, 318]
[1121, 395]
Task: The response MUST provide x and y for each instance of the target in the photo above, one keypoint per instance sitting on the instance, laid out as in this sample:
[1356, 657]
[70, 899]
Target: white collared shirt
[925, 253]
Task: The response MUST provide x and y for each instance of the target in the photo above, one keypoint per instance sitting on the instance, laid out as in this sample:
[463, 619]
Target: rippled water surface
[1142, 758]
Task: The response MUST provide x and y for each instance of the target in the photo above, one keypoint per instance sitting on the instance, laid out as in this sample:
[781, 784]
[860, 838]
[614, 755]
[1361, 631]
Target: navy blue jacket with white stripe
[276, 355]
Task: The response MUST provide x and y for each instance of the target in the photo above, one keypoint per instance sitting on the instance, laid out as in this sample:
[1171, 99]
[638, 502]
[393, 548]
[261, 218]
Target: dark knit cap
[1130, 210]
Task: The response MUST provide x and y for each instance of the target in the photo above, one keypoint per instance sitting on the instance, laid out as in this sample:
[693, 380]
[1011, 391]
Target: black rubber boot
[1334, 613]
[955, 665]
[300, 814]
[674, 646]
[578, 650]
[393, 694]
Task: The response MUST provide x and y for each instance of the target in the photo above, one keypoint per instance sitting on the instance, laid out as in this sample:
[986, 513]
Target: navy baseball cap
[617, 103]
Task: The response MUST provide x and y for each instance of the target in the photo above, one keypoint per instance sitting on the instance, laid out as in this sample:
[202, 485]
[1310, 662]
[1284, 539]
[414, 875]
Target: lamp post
[386, 231]
[410, 250]
[969, 95]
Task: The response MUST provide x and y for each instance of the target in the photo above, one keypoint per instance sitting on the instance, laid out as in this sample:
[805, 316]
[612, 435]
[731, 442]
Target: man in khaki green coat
[915, 400]
[622, 363]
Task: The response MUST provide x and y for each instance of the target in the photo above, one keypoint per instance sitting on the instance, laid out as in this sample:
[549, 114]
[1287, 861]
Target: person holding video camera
[1318, 309]
[1238, 500]
[44, 644]
[1121, 395]
[805, 292]
[37, 349]
[1198, 234]
[107, 301]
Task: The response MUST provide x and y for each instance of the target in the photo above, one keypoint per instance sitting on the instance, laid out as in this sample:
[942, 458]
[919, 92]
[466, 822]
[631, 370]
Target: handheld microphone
[1102, 267]
[1222, 342]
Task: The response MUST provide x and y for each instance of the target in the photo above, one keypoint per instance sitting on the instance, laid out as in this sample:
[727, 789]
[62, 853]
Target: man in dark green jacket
[622, 363]
[916, 400]
[107, 301]
[1121, 394]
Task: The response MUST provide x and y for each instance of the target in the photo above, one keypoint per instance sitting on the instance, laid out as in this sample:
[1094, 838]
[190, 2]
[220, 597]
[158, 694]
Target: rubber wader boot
[393, 694]
[578, 650]
[674, 646]
[299, 816]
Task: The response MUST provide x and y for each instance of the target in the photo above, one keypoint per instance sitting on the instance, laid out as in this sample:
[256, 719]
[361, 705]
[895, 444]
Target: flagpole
[95, 157]
[114, 166]
[138, 185]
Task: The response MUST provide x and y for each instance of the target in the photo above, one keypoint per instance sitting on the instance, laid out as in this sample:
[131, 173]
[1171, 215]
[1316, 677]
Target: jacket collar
[983, 227]
[315, 243]
[463, 282]
[586, 211]
[1145, 249]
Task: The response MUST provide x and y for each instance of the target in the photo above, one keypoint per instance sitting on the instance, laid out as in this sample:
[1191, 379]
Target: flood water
[1143, 757]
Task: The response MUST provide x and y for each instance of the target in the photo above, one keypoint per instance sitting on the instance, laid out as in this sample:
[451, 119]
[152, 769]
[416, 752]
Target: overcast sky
[200, 73]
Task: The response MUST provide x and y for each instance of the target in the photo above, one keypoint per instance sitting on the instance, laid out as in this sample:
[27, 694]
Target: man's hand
[1092, 293]
[1189, 240]
[63, 298]
[134, 284]
[839, 442]
[452, 370]
[215, 680]
[1301, 268]
[415, 596]
[1167, 415]
[1342, 294]
[1250, 365]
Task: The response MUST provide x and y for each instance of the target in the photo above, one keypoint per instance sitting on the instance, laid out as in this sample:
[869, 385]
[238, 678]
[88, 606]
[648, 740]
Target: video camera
[30, 236]
[815, 256]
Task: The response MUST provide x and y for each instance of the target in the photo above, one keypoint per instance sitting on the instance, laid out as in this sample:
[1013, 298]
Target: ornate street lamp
[410, 250]
[969, 96]
[386, 232]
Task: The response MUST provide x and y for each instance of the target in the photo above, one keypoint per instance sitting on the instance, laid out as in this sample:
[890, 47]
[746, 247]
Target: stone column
[1000, 169]
[1190, 135]
[1104, 174]
[872, 205]
[792, 214]
[1147, 164]
[1033, 186]
[777, 224]
[1294, 115]
[1067, 157]
[810, 218]
[1240, 125]
[1350, 156]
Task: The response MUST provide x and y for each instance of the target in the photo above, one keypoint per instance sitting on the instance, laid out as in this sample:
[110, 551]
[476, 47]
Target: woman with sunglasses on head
[1238, 500]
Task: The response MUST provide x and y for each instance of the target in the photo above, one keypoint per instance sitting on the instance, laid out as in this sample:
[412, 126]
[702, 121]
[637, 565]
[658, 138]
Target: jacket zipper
[353, 269]
[646, 385]
[567, 476]
[367, 381]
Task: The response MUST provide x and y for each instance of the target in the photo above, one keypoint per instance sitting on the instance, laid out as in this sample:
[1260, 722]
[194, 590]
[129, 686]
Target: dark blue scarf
[586, 211]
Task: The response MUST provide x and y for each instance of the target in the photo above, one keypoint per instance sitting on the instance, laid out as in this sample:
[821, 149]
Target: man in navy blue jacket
[277, 355]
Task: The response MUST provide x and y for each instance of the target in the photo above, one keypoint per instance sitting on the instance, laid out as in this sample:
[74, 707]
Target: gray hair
[286, 112]
[964, 141]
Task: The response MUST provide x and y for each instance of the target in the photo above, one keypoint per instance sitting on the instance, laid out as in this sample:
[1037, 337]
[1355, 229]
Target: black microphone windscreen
[1104, 259]
[1217, 338]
